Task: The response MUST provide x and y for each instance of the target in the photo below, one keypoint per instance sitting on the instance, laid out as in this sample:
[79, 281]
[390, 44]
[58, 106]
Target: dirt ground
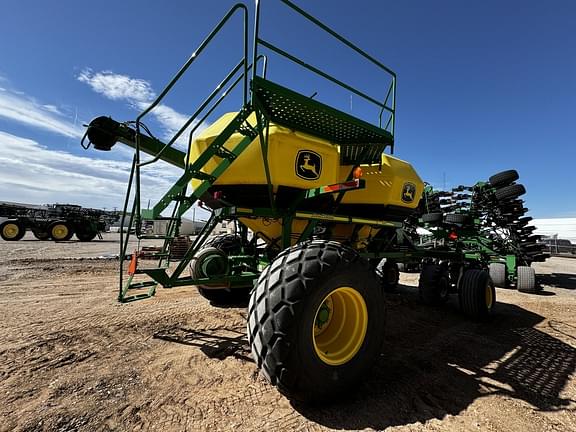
[72, 358]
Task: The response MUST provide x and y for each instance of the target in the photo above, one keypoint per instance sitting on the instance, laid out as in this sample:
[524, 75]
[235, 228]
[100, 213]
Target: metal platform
[360, 142]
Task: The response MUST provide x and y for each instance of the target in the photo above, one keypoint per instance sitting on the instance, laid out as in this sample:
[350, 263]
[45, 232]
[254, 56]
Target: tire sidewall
[313, 369]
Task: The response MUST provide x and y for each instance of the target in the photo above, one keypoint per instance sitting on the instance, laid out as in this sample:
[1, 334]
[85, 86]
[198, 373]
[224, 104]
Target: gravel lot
[72, 358]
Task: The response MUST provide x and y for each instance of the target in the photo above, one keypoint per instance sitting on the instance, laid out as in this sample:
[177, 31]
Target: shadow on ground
[215, 343]
[558, 280]
[435, 362]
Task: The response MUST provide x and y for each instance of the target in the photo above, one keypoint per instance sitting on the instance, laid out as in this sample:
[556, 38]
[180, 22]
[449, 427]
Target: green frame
[365, 145]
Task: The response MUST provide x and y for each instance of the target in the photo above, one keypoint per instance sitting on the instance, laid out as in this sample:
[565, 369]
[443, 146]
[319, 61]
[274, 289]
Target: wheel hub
[340, 326]
[214, 266]
[59, 232]
[10, 231]
[323, 316]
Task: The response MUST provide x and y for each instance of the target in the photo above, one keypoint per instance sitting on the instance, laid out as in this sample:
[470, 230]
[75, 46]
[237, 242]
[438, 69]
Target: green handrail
[391, 90]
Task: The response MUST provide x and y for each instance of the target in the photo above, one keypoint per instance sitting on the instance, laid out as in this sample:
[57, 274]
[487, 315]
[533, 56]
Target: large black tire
[509, 192]
[389, 274]
[224, 246]
[526, 279]
[498, 274]
[434, 285]
[524, 219]
[298, 303]
[12, 230]
[60, 231]
[503, 178]
[477, 294]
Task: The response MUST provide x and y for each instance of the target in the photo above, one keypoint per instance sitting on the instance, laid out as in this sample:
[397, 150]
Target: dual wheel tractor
[324, 214]
[58, 222]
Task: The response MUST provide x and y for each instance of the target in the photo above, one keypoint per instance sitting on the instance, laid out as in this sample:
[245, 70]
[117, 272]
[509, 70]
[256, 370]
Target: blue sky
[482, 86]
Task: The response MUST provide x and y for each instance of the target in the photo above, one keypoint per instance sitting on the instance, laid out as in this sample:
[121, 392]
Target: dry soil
[72, 358]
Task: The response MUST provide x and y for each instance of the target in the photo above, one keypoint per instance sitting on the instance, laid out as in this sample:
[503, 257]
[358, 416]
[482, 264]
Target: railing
[389, 103]
[134, 178]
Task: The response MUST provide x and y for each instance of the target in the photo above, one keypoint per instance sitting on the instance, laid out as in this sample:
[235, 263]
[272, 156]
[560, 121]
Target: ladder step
[204, 177]
[225, 154]
[139, 285]
[136, 297]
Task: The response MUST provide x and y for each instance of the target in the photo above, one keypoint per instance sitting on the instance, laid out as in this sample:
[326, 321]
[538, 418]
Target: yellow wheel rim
[59, 232]
[10, 231]
[489, 297]
[340, 326]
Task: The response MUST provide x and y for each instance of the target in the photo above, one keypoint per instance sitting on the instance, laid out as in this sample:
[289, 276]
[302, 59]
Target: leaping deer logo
[408, 192]
[308, 165]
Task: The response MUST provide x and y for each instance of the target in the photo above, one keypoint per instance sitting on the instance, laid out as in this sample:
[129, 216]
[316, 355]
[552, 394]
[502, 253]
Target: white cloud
[138, 93]
[116, 86]
[33, 173]
[20, 108]
[53, 109]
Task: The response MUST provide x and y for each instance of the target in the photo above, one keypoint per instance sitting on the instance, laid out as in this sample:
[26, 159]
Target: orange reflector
[357, 173]
[133, 264]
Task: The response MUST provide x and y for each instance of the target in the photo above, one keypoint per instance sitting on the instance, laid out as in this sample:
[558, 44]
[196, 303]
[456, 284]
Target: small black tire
[283, 320]
[12, 230]
[221, 246]
[433, 285]
[41, 235]
[230, 244]
[526, 279]
[389, 274]
[432, 217]
[498, 274]
[60, 231]
[510, 192]
[455, 218]
[477, 294]
[503, 178]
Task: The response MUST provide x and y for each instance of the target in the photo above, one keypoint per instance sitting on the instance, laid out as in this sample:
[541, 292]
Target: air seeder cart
[317, 203]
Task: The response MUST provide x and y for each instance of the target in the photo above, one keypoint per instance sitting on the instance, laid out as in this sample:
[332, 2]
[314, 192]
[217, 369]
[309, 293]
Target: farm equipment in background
[58, 222]
[319, 210]
[487, 221]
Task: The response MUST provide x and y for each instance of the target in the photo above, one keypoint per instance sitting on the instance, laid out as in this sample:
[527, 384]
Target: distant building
[562, 228]
[187, 227]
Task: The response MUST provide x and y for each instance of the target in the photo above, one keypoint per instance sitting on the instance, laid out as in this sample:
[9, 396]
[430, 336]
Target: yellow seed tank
[298, 161]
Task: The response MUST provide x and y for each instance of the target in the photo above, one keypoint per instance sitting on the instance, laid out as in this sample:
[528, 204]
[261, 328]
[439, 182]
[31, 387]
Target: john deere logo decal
[408, 192]
[308, 165]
